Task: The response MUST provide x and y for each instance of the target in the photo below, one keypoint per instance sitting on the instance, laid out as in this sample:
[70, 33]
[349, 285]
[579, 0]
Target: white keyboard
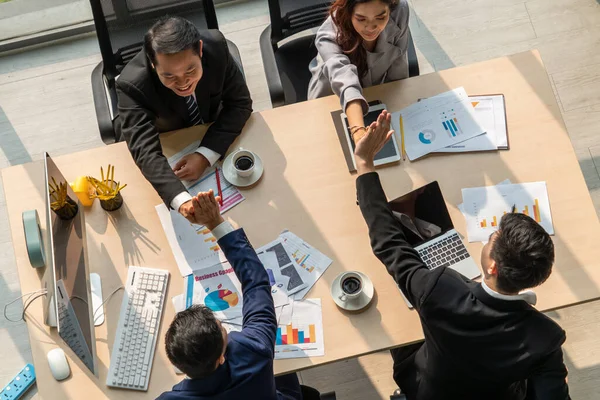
[139, 321]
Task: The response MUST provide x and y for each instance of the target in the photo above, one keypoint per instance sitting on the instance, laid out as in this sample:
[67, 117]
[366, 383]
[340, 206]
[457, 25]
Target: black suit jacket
[476, 346]
[147, 107]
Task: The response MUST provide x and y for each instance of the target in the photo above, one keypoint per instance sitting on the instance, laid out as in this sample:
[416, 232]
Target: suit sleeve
[259, 321]
[138, 129]
[549, 381]
[389, 242]
[237, 108]
[337, 68]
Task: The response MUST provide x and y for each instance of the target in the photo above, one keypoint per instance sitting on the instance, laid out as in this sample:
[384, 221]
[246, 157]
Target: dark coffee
[244, 163]
[351, 285]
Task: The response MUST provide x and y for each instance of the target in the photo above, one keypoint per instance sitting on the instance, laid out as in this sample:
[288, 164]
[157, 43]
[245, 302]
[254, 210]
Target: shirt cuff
[222, 229]
[351, 94]
[180, 199]
[211, 156]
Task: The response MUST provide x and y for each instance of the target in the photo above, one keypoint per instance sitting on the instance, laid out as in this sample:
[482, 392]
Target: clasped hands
[205, 210]
[190, 168]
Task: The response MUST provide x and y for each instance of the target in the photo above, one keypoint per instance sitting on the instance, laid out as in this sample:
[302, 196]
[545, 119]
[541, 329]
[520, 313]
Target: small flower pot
[112, 204]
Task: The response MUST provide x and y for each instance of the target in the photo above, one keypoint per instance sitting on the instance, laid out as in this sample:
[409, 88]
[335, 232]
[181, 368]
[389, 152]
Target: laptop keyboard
[444, 253]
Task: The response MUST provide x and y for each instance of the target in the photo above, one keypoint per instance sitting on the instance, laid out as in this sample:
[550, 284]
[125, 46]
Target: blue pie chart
[427, 136]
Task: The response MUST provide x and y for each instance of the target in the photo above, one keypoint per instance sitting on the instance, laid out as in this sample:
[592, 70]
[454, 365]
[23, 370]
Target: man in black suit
[182, 77]
[482, 340]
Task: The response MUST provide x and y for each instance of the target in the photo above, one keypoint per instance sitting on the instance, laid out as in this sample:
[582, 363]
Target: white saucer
[236, 180]
[358, 303]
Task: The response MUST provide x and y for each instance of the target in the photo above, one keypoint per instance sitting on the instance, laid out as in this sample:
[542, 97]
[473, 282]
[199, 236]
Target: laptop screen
[423, 213]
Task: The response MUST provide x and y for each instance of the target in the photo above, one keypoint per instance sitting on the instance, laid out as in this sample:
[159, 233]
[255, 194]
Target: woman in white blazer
[362, 43]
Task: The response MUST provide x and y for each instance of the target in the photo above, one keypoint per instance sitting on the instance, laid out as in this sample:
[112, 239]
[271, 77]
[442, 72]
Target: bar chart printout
[304, 336]
[485, 206]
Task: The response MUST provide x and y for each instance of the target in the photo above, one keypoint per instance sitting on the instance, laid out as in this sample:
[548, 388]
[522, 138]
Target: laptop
[429, 229]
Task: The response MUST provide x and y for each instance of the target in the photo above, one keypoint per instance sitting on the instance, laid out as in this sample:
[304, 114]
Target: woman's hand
[372, 142]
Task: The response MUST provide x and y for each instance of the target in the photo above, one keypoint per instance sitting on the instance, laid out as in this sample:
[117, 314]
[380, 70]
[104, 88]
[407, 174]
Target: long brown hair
[347, 37]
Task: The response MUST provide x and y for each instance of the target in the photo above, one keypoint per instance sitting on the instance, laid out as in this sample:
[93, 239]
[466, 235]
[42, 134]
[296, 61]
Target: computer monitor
[67, 278]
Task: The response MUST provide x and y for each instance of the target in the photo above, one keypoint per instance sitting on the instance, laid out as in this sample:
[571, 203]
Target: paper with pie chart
[218, 289]
[437, 122]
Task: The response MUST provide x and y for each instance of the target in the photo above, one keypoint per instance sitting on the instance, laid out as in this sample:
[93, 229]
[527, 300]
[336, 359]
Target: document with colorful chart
[231, 325]
[483, 207]
[436, 122]
[230, 195]
[286, 266]
[491, 115]
[193, 246]
[307, 257]
[303, 337]
[218, 288]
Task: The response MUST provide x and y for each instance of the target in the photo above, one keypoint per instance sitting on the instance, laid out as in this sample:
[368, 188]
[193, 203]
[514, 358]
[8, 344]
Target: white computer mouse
[59, 366]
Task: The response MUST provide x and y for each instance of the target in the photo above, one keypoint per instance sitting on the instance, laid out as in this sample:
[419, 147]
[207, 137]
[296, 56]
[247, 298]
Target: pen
[402, 138]
[219, 186]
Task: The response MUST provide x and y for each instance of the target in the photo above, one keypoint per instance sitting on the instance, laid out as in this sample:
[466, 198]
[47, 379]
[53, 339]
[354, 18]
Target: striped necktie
[193, 110]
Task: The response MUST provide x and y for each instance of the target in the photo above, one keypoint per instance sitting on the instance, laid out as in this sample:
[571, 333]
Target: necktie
[193, 110]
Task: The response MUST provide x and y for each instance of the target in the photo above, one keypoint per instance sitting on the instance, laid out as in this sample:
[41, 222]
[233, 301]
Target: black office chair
[286, 66]
[309, 393]
[121, 25]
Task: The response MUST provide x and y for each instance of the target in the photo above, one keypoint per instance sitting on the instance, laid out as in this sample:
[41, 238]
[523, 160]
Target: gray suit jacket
[332, 72]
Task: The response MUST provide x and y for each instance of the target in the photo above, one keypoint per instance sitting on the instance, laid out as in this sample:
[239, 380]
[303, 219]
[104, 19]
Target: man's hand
[187, 210]
[206, 210]
[191, 167]
[372, 142]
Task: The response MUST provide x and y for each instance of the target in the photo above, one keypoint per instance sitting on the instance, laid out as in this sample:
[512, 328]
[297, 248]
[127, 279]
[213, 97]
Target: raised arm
[260, 322]
[387, 238]
[138, 129]
[337, 68]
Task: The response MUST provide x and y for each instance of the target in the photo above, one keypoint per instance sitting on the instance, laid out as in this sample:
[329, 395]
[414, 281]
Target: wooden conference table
[306, 188]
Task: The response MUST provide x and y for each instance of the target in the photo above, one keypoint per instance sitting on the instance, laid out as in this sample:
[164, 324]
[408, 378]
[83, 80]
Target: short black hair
[194, 341]
[523, 252]
[170, 35]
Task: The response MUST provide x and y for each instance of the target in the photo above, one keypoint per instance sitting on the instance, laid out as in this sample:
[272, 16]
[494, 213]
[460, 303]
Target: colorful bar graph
[290, 334]
[211, 239]
[294, 335]
[205, 231]
[278, 337]
[453, 125]
[526, 210]
[484, 224]
[495, 221]
[215, 248]
[536, 211]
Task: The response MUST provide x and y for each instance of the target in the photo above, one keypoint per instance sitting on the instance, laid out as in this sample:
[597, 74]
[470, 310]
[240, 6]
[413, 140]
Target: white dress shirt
[222, 229]
[527, 295]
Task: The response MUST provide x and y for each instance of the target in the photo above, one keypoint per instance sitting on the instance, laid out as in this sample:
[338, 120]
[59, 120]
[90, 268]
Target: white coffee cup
[351, 286]
[243, 162]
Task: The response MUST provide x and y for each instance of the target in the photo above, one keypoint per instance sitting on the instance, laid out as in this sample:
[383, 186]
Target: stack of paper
[483, 207]
[491, 115]
[437, 122]
[193, 245]
[293, 267]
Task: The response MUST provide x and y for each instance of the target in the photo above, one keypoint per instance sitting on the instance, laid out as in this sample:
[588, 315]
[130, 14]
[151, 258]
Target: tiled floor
[46, 105]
